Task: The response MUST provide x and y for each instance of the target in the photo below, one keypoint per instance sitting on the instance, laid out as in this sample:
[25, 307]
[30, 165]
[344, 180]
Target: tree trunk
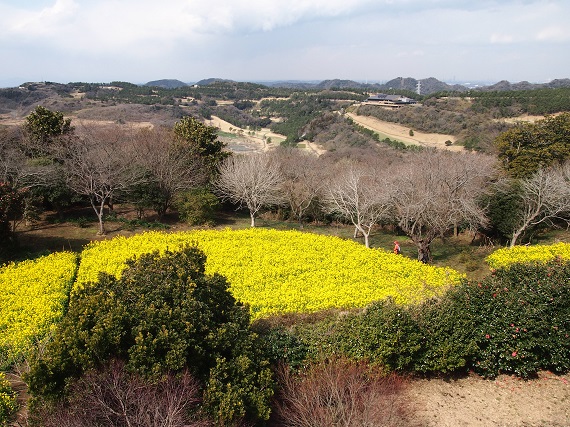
[516, 235]
[424, 251]
[252, 216]
[366, 240]
[356, 232]
[99, 211]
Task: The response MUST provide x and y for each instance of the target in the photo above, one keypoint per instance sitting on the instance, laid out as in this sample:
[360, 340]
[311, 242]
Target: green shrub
[7, 400]
[163, 315]
[447, 338]
[522, 319]
[284, 347]
[516, 321]
[385, 334]
[197, 207]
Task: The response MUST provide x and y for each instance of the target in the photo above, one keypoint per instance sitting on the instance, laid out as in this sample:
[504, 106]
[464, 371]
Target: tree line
[425, 194]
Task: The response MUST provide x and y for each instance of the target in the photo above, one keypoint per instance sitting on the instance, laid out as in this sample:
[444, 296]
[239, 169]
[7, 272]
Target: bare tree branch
[99, 164]
[436, 191]
[545, 197]
[252, 180]
[359, 193]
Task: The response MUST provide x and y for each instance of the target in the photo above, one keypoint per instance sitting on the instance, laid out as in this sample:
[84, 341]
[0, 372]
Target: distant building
[390, 101]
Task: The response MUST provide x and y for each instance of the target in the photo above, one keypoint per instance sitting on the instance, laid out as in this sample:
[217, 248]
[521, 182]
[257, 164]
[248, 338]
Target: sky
[265, 40]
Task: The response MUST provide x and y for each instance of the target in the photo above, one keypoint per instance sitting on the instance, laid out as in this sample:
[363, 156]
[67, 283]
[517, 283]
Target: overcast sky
[260, 40]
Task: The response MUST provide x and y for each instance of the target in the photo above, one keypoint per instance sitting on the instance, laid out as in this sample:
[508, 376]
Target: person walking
[397, 249]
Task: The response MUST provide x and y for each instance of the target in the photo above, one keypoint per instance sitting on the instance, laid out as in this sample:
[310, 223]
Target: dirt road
[402, 133]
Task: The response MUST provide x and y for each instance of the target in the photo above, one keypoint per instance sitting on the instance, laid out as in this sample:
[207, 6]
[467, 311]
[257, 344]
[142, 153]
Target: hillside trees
[42, 126]
[100, 164]
[164, 315]
[38, 177]
[170, 165]
[543, 198]
[303, 181]
[254, 181]
[526, 148]
[297, 112]
[437, 191]
[201, 140]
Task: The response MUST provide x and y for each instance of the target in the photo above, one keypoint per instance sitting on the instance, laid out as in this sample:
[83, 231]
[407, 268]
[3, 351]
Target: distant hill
[209, 81]
[428, 86]
[504, 85]
[166, 83]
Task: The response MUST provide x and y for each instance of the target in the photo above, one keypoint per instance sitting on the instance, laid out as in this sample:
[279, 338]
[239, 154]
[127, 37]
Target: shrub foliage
[516, 321]
[163, 315]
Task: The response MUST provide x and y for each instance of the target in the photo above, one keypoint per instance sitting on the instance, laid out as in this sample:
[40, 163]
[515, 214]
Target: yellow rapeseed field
[503, 258]
[284, 271]
[33, 295]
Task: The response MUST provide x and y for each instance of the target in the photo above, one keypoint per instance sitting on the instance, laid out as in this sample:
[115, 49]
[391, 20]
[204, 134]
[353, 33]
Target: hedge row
[516, 321]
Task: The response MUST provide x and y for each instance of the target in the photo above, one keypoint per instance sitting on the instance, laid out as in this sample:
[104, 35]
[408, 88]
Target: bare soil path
[257, 141]
[506, 401]
[402, 133]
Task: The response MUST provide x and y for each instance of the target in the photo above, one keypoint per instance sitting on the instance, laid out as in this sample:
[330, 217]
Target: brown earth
[258, 141]
[402, 133]
[506, 401]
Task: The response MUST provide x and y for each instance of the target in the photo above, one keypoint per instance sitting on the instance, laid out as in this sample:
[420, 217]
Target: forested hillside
[472, 116]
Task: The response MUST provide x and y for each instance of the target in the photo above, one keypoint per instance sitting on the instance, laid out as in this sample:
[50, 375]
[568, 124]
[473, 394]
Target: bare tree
[303, 180]
[99, 164]
[341, 393]
[436, 191]
[171, 165]
[545, 198]
[253, 180]
[360, 193]
[113, 396]
[15, 167]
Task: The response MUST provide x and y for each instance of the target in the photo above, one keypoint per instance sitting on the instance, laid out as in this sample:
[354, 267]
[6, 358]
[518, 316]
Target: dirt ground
[256, 142]
[506, 401]
[402, 133]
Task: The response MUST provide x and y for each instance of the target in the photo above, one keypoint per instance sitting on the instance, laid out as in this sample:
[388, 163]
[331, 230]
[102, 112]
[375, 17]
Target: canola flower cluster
[541, 254]
[283, 271]
[7, 399]
[33, 295]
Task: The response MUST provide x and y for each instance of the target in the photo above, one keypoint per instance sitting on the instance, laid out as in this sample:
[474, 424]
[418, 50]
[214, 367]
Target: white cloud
[554, 34]
[502, 38]
[45, 21]
[200, 38]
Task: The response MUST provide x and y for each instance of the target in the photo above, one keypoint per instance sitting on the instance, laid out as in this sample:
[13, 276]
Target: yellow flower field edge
[284, 271]
[539, 254]
[33, 295]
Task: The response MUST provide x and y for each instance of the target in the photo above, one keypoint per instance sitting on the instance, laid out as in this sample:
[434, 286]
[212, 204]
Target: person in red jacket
[397, 249]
